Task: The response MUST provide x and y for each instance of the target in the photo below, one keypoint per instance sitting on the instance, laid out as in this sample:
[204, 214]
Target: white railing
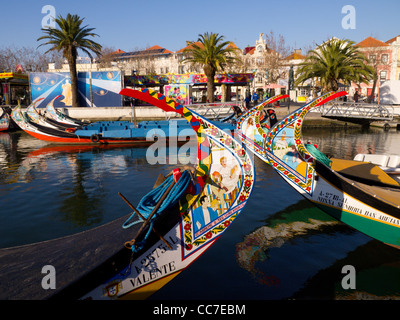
[374, 112]
[213, 111]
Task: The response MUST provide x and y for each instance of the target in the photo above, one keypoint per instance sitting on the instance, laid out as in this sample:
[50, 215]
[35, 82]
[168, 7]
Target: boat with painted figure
[252, 127]
[135, 255]
[359, 194]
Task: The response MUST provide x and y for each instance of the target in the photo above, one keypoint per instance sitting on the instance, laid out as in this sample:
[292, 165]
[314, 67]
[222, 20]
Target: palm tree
[68, 38]
[213, 53]
[334, 61]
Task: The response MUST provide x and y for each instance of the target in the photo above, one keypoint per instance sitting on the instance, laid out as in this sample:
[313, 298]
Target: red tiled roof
[371, 42]
[158, 48]
[232, 45]
[392, 40]
[249, 50]
[295, 56]
[118, 51]
[189, 46]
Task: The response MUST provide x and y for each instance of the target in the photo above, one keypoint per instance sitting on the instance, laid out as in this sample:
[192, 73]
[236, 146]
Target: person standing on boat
[203, 214]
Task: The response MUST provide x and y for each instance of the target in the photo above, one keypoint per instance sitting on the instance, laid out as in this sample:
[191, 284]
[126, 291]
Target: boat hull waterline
[105, 132]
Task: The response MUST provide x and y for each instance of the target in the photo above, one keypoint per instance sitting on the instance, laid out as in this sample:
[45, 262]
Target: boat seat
[364, 172]
[394, 161]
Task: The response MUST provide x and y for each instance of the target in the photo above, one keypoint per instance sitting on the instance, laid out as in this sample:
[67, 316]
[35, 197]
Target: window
[372, 58]
[383, 75]
[385, 58]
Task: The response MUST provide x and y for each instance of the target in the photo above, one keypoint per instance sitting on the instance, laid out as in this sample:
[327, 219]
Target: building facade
[270, 69]
[380, 57]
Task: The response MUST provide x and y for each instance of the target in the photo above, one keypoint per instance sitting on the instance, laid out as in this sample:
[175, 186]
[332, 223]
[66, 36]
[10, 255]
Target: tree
[334, 61]
[276, 51]
[68, 38]
[213, 53]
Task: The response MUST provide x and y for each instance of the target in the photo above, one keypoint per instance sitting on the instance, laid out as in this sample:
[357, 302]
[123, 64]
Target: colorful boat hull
[373, 210]
[105, 132]
[224, 181]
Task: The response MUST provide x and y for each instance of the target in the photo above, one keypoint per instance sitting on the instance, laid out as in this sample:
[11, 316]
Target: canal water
[280, 247]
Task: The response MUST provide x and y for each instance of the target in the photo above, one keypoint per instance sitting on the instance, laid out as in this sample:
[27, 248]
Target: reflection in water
[377, 276]
[347, 142]
[285, 248]
[66, 189]
[298, 220]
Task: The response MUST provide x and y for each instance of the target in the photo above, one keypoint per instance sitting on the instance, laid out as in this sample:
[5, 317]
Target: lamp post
[290, 84]
[90, 82]
[133, 102]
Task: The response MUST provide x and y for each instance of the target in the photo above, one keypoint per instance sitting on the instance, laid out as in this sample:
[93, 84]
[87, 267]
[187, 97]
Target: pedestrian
[255, 98]
[246, 102]
[356, 96]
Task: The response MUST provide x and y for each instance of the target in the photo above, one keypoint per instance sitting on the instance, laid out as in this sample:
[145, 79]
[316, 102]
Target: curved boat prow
[357, 193]
[223, 182]
[285, 150]
[250, 130]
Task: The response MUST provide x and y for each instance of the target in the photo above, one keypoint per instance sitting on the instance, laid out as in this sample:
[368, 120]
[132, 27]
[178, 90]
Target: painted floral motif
[247, 180]
[305, 179]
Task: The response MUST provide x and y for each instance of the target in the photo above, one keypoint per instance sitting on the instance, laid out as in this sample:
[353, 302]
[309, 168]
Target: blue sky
[131, 25]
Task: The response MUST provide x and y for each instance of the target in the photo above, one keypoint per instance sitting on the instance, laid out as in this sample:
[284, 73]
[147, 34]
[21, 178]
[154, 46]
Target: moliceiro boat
[5, 120]
[252, 127]
[55, 131]
[357, 193]
[135, 255]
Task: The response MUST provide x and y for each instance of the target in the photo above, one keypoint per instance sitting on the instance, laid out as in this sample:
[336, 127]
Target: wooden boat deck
[364, 172]
[71, 256]
[389, 195]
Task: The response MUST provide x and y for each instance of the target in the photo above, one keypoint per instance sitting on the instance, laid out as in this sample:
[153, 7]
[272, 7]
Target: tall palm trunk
[74, 78]
[210, 74]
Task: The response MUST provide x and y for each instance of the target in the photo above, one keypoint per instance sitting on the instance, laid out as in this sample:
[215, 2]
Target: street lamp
[290, 84]
[133, 104]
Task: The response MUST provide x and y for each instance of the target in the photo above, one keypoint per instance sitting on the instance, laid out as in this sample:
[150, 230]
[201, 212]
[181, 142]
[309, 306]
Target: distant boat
[106, 132]
[5, 120]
